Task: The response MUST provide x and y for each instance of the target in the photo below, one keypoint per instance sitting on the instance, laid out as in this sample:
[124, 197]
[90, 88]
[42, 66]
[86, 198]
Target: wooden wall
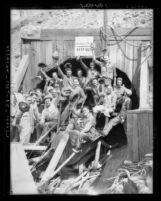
[41, 50]
[139, 133]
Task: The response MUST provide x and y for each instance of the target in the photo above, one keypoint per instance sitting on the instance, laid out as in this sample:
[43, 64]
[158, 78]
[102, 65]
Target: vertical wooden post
[144, 84]
[105, 29]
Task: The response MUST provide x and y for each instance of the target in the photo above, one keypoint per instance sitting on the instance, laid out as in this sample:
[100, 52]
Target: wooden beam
[18, 77]
[50, 34]
[21, 179]
[55, 159]
[144, 74]
[34, 148]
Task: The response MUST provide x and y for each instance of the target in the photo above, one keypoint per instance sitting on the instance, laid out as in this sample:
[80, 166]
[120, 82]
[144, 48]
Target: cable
[122, 39]
[123, 51]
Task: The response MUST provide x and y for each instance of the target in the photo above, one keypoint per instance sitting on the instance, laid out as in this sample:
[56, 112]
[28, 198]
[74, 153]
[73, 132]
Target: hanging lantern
[55, 55]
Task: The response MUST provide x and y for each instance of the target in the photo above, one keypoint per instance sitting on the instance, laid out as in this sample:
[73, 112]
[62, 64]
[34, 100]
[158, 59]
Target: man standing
[107, 70]
[49, 117]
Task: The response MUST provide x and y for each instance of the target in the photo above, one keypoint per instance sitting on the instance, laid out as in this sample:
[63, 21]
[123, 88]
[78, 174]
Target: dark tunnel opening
[126, 81]
[117, 134]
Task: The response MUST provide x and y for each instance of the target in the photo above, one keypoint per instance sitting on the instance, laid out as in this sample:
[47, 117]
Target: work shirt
[121, 91]
[49, 114]
[83, 123]
[110, 100]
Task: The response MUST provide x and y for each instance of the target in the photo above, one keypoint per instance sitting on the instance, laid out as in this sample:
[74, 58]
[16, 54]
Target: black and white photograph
[81, 101]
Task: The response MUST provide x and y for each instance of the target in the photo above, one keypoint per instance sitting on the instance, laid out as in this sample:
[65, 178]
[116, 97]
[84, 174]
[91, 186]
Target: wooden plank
[32, 147]
[129, 62]
[54, 33]
[136, 65]
[49, 51]
[68, 49]
[140, 110]
[120, 58]
[150, 117]
[18, 77]
[146, 133]
[135, 139]
[129, 136]
[56, 157]
[113, 54]
[96, 37]
[21, 179]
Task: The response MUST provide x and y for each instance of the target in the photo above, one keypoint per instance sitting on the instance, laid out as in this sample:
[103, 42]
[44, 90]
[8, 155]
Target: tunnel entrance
[117, 134]
[76, 65]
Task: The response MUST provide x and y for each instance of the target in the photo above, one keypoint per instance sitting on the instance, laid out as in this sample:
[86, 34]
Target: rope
[123, 51]
[122, 38]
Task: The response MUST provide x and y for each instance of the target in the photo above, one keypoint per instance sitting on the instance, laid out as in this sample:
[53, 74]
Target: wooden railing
[19, 74]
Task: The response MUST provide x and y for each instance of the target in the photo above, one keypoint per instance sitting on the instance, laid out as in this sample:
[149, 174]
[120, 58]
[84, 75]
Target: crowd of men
[62, 102]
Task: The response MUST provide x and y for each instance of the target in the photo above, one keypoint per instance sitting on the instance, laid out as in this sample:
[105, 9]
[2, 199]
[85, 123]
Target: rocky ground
[69, 18]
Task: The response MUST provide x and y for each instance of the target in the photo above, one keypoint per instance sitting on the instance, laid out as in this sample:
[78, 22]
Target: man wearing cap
[49, 116]
[122, 94]
[91, 72]
[107, 70]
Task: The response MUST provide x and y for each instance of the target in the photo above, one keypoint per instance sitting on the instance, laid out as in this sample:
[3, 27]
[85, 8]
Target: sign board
[83, 46]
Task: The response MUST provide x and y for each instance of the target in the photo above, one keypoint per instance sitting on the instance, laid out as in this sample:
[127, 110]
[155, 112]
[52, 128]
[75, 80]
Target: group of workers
[62, 102]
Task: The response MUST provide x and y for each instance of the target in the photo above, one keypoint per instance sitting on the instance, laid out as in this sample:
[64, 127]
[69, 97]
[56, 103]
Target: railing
[19, 75]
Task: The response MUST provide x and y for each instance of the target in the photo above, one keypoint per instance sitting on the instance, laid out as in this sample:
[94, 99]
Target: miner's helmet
[24, 107]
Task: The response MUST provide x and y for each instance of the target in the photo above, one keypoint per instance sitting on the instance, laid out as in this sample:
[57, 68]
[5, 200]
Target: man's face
[47, 102]
[79, 73]
[92, 66]
[39, 93]
[69, 73]
[95, 82]
[54, 93]
[85, 111]
[119, 83]
[29, 100]
[54, 75]
[109, 90]
[34, 98]
[76, 83]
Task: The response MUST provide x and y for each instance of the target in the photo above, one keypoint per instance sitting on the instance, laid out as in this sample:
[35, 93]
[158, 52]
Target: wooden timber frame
[40, 47]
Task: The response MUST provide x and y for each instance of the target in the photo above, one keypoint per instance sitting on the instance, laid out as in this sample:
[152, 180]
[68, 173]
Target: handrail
[18, 77]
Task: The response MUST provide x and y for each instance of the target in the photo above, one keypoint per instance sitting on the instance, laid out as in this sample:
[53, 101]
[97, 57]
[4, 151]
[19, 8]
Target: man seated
[49, 116]
[109, 104]
[122, 94]
[81, 127]
[76, 97]
[96, 90]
